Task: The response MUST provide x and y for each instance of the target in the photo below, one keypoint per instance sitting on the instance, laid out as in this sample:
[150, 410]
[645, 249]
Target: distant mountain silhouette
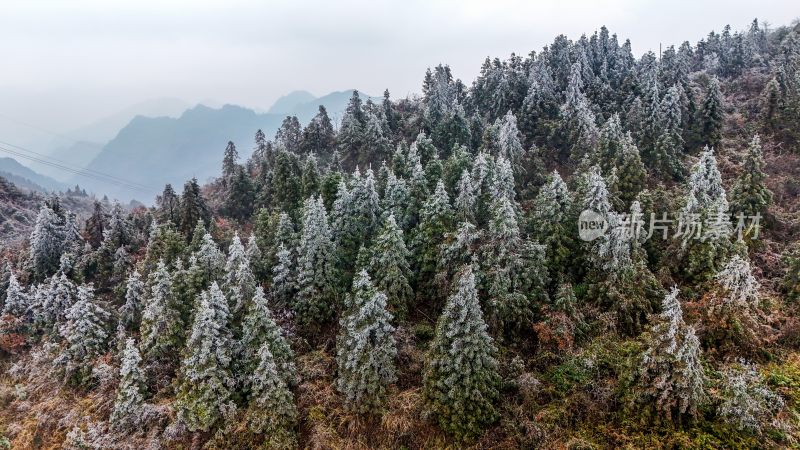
[24, 177]
[81, 145]
[290, 102]
[160, 150]
[155, 151]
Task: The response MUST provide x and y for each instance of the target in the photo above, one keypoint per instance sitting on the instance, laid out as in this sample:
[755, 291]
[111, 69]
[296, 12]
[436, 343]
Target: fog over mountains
[164, 141]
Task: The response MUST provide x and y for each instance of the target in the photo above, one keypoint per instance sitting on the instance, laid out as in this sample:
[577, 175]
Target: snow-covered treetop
[130, 359]
[738, 281]
[706, 191]
[503, 179]
[596, 197]
[209, 256]
[672, 316]
[509, 139]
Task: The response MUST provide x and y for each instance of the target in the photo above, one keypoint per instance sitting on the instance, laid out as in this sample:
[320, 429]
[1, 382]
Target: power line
[67, 164]
[98, 176]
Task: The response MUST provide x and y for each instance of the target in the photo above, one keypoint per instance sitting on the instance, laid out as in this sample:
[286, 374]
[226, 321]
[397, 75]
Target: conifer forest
[580, 248]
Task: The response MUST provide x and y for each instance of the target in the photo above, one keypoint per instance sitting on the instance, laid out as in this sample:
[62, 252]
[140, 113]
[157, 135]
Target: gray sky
[66, 64]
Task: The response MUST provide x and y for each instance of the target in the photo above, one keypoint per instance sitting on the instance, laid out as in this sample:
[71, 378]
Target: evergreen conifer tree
[168, 204]
[465, 200]
[86, 334]
[193, 208]
[435, 221]
[229, 161]
[671, 374]
[240, 283]
[750, 195]
[316, 279]
[162, 327]
[365, 348]
[631, 176]
[284, 285]
[17, 301]
[706, 202]
[551, 223]
[259, 329]
[396, 199]
[61, 296]
[46, 242]
[461, 379]
[391, 268]
[272, 412]
[131, 311]
[210, 260]
[204, 395]
[712, 114]
[131, 389]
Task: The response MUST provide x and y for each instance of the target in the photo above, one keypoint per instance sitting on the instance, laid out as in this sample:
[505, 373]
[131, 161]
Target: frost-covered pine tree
[162, 327]
[5, 277]
[17, 301]
[272, 412]
[435, 220]
[131, 311]
[631, 176]
[577, 117]
[739, 283]
[502, 180]
[364, 213]
[316, 280]
[510, 281]
[705, 184]
[284, 285]
[609, 145]
[259, 328]
[236, 255]
[690, 375]
[47, 242]
[706, 203]
[509, 141]
[458, 249]
[461, 379]
[119, 231]
[664, 156]
[712, 114]
[73, 241]
[732, 317]
[284, 234]
[465, 200]
[391, 267]
[750, 195]
[551, 223]
[210, 259]
[252, 250]
[205, 387]
[541, 100]
[365, 348]
[62, 294]
[596, 195]
[396, 199]
[748, 403]
[86, 334]
[255, 256]
[671, 373]
[418, 192]
[131, 389]
[240, 283]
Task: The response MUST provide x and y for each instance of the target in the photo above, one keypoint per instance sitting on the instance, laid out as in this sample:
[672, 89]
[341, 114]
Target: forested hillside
[578, 249]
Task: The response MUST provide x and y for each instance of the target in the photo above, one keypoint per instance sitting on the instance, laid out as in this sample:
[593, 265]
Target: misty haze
[508, 224]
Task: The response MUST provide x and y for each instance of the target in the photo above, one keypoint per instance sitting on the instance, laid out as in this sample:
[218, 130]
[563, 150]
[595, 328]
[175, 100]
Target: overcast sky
[69, 63]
